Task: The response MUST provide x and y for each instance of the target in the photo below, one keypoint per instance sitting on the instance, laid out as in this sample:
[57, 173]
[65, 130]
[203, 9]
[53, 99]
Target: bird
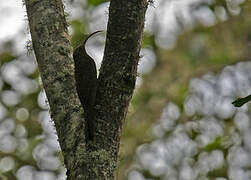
[86, 84]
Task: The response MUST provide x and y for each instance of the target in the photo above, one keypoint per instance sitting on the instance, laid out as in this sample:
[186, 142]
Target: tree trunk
[48, 27]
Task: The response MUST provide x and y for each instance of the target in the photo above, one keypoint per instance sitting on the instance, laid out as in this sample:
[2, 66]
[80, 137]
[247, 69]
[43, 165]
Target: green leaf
[216, 144]
[241, 101]
[95, 2]
[79, 29]
[6, 57]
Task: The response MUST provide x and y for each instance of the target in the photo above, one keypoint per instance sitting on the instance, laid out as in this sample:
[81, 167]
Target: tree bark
[118, 70]
[53, 51]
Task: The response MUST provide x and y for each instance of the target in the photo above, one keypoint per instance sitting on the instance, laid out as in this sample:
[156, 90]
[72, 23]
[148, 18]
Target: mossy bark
[118, 70]
[52, 47]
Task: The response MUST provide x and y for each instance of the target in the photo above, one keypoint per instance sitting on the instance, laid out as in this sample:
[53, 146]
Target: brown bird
[86, 84]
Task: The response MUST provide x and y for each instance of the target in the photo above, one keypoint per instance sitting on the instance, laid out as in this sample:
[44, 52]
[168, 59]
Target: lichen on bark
[53, 52]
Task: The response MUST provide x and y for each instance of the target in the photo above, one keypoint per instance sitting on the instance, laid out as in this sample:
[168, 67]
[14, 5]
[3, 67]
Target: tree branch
[118, 73]
[118, 70]
[53, 52]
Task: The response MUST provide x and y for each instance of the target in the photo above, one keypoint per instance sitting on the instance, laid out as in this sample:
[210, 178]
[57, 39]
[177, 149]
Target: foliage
[241, 101]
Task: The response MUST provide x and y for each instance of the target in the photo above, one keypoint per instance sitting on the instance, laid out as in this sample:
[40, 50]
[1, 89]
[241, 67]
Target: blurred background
[181, 124]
